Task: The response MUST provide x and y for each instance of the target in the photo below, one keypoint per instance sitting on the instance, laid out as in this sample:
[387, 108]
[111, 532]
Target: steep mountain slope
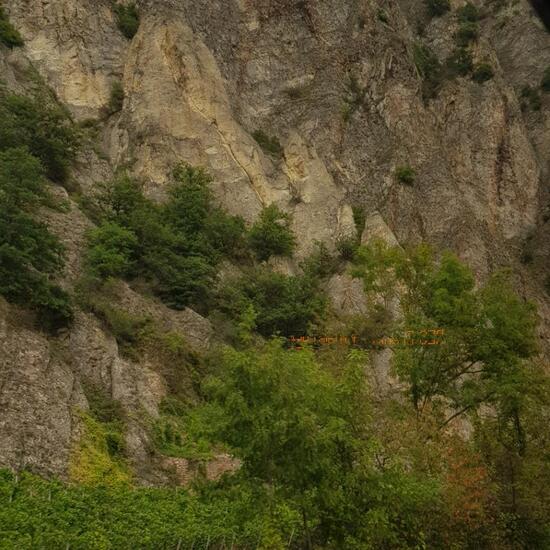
[336, 82]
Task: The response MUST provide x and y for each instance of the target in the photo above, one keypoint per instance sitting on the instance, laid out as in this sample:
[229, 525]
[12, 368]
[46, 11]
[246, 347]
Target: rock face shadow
[542, 9]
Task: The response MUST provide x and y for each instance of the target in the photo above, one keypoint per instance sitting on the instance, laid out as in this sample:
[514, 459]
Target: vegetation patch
[127, 19]
[97, 458]
[9, 35]
[281, 304]
[103, 408]
[271, 234]
[405, 174]
[35, 142]
[184, 432]
[382, 16]
[270, 144]
[437, 8]
[43, 128]
[354, 98]
[116, 99]
[429, 69]
[530, 99]
[347, 247]
[460, 62]
[468, 13]
[175, 247]
[482, 73]
[468, 32]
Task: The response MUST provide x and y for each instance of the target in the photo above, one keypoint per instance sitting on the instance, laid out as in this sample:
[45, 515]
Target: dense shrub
[436, 8]
[282, 304]
[35, 513]
[430, 70]
[97, 458]
[405, 174]
[175, 246]
[482, 73]
[9, 36]
[359, 218]
[127, 19]
[29, 254]
[41, 127]
[347, 247]
[320, 264]
[303, 430]
[354, 98]
[102, 406]
[530, 98]
[112, 250]
[467, 32]
[468, 13]
[545, 82]
[382, 16]
[270, 144]
[460, 62]
[116, 99]
[271, 234]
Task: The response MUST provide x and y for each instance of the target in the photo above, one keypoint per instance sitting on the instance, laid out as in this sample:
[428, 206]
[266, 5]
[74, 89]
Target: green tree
[44, 129]
[489, 332]
[29, 254]
[111, 251]
[304, 432]
[283, 304]
[271, 234]
[174, 246]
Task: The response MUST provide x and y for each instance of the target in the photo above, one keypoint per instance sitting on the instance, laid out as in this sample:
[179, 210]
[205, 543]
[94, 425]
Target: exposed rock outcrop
[199, 78]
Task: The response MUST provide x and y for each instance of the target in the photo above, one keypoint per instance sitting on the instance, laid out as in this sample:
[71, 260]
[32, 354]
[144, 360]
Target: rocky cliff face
[336, 83]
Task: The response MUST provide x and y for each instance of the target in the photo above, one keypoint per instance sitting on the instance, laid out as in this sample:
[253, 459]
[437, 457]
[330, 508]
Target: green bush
[436, 8]
[430, 70]
[460, 62]
[39, 513]
[530, 98]
[30, 256]
[482, 73]
[111, 252]
[545, 82]
[359, 218]
[9, 36]
[283, 304]
[320, 264]
[102, 407]
[271, 234]
[130, 331]
[127, 19]
[304, 429]
[44, 129]
[347, 247]
[175, 247]
[468, 13]
[467, 32]
[354, 98]
[382, 16]
[405, 174]
[117, 97]
[270, 144]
